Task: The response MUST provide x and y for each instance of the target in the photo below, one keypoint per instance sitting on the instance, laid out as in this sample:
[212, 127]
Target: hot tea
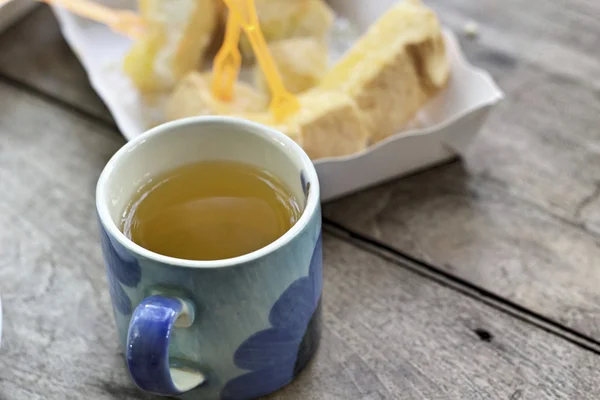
[210, 210]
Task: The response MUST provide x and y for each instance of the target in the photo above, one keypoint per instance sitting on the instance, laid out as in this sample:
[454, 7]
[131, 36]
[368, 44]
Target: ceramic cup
[232, 329]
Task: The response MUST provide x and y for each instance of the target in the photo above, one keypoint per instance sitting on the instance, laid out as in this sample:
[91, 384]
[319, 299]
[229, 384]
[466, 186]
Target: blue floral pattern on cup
[121, 269]
[305, 184]
[275, 355]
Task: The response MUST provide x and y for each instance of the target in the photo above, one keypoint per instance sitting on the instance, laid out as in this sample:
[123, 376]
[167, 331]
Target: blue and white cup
[231, 329]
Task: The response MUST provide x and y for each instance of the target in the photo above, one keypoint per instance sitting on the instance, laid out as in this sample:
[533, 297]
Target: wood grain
[13, 12]
[34, 52]
[471, 228]
[558, 36]
[389, 332]
[521, 215]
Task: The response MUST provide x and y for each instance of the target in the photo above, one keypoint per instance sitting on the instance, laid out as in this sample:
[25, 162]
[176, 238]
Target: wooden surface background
[477, 279]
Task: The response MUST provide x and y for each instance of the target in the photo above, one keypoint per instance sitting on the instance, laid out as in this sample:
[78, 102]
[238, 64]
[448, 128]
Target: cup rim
[268, 133]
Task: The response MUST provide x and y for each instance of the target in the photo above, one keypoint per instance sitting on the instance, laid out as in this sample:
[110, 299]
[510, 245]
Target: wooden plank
[521, 218]
[541, 143]
[389, 333]
[558, 36]
[34, 52]
[12, 11]
[473, 229]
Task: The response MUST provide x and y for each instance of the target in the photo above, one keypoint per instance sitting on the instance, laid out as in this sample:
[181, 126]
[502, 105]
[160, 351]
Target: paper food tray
[445, 126]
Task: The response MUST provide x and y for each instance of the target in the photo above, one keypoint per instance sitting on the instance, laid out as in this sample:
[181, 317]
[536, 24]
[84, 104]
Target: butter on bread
[329, 124]
[193, 96]
[284, 19]
[302, 62]
[178, 34]
[394, 68]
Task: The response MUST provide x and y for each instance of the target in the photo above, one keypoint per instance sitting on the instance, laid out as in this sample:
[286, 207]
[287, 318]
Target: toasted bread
[193, 97]
[284, 19]
[394, 69]
[174, 44]
[302, 62]
[329, 124]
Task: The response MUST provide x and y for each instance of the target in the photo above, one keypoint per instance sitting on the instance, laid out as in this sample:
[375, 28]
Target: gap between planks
[374, 246]
[58, 102]
[460, 285]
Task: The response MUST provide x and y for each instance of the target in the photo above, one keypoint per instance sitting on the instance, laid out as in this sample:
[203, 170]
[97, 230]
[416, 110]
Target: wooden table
[477, 279]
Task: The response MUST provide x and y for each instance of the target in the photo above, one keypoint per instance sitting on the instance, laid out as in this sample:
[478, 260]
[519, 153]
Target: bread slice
[394, 69]
[377, 87]
[284, 19]
[329, 124]
[193, 97]
[302, 62]
[178, 34]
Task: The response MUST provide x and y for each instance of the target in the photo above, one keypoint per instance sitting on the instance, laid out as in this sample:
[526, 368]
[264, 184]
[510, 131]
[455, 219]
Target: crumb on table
[471, 29]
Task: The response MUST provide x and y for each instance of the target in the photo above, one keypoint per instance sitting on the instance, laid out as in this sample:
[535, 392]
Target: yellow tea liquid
[210, 210]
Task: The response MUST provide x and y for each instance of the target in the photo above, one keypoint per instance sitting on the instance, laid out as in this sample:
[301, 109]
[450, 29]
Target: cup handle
[148, 340]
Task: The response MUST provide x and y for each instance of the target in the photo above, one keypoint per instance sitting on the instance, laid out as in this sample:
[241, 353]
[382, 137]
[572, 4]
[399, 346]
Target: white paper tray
[447, 124]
